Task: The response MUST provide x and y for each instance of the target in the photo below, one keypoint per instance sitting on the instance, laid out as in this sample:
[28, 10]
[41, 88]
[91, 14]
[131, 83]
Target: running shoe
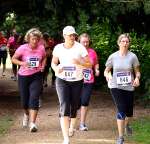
[25, 120]
[15, 78]
[128, 130]
[66, 142]
[33, 127]
[120, 140]
[3, 74]
[83, 127]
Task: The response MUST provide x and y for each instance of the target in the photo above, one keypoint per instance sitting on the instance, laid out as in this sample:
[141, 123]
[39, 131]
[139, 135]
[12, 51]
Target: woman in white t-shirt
[69, 59]
[125, 77]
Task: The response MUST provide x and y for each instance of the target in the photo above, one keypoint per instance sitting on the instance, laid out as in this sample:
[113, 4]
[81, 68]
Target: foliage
[141, 129]
[146, 6]
[5, 123]
[9, 22]
[141, 47]
[103, 20]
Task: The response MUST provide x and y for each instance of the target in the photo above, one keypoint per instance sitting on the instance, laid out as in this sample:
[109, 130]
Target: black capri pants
[3, 57]
[69, 96]
[86, 94]
[30, 88]
[123, 100]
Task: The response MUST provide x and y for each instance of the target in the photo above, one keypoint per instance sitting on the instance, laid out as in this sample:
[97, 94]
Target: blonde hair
[32, 32]
[84, 35]
[125, 35]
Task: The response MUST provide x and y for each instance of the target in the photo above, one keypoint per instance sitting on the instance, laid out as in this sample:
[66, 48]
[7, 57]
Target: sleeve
[135, 61]
[109, 62]
[55, 51]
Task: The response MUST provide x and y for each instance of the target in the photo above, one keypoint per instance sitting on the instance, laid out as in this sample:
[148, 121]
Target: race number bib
[69, 73]
[124, 78]
[33, 62]
[87, 74]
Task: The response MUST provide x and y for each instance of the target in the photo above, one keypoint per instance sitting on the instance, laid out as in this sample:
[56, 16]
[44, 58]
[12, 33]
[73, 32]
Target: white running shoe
[83, 127]
[33, 127]
[25, 120]
[66, 142]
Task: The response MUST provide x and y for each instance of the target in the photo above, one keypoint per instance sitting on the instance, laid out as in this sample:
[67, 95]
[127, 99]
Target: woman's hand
[97, 72]
[107, 74]
[136, 82]
[58, 69]
[77, 61]
[24, 64]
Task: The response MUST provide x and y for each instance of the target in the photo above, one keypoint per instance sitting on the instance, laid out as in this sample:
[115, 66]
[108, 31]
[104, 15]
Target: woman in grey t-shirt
[125, 76]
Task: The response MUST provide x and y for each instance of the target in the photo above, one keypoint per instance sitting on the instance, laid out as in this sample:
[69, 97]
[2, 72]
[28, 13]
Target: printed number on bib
[87, 74]
[69, 72]
[124, 78]
[33, 62]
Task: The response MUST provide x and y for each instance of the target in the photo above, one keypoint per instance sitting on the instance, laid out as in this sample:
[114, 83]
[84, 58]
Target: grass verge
[141, 129]
[5, 123]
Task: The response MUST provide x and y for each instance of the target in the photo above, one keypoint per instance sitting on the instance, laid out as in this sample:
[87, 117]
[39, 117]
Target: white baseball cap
[68, 30]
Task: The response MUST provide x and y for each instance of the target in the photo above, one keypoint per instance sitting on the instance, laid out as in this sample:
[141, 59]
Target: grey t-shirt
[123, 70]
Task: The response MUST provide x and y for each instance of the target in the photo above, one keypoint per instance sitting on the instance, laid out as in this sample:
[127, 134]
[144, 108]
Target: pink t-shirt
[33, 56]
[88, 73]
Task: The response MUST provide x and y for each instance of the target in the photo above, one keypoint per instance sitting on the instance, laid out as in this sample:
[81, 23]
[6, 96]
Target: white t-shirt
[71, 72]
[123, 70]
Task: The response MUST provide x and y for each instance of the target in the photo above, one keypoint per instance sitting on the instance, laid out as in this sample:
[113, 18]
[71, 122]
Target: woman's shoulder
[77, 44]
[23, 46]
[131, 53]
[60, 45]
[115, 54]
[91, 50]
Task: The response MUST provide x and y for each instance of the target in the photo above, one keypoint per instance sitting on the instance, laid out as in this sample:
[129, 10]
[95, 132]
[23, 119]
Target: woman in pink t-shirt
[88, 79]
[31, 58]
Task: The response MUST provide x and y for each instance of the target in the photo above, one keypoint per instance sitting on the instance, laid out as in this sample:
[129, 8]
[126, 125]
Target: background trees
[104, 20]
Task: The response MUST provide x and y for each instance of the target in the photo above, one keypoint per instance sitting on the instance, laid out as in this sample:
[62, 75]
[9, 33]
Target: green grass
[141, 129]
[5, 123]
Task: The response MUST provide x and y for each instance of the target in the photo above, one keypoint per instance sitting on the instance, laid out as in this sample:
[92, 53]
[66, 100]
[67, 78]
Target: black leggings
[69, 96]
[3, 57]
[123, 101]
[30, 88]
